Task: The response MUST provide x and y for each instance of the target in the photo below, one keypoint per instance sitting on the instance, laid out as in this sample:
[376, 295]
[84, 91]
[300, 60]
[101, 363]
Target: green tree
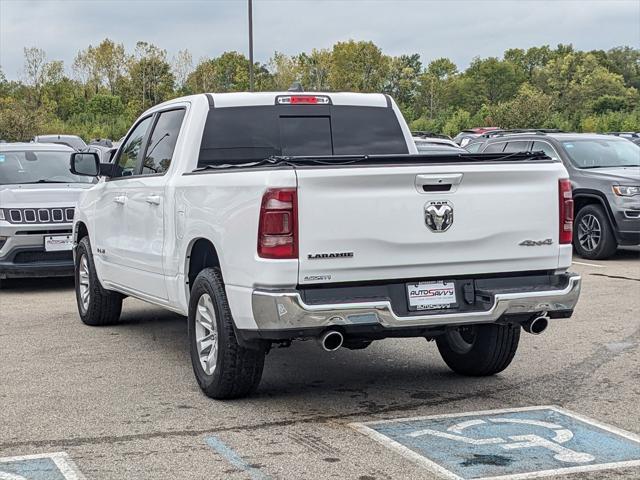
[403, 83]
[358, 67]
[530, 108]
[492, 81]
[227, 73]
[435, 85]
[152, 81]
[315, 69]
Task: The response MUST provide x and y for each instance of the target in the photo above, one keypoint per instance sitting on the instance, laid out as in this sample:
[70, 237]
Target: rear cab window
[234, 135]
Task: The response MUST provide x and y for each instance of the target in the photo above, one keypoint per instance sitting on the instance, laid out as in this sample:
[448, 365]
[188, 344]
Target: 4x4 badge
[536, 243]
[438, 216]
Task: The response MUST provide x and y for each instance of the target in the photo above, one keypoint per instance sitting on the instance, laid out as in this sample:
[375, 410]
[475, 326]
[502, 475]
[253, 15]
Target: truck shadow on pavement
[37, 285]
[386, 371]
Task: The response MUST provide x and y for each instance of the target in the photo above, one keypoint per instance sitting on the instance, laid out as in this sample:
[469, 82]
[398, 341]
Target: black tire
[238, 370]
[104, 306]
[606, 244]
[479, 350]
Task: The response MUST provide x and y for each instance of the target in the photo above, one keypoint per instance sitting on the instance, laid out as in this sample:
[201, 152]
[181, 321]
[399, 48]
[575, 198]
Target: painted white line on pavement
[589, 264]
[62, 460]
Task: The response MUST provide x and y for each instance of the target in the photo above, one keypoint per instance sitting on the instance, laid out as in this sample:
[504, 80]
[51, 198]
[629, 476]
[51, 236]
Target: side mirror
[85, 163]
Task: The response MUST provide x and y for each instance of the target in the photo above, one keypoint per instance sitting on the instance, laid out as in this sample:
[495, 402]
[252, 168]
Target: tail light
[278, 227]
[566, 211]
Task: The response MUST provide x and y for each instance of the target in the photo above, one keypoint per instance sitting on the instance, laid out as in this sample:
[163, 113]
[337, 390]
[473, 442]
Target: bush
[106, 105]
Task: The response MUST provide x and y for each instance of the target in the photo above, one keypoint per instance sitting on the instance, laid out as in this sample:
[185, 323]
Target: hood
[41, 195]
[622, 175]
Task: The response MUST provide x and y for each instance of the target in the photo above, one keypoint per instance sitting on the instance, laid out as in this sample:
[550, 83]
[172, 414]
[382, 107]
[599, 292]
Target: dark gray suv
[605, 174]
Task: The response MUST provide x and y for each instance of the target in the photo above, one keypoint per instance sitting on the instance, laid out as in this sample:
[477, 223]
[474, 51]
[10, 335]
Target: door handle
[153, 200]
[439, 182]
[120, 200]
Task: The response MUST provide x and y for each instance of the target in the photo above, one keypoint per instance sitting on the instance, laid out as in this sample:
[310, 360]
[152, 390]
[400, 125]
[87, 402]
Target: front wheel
[479, 350]
[96, 305]
[593, 236]
[223, 368]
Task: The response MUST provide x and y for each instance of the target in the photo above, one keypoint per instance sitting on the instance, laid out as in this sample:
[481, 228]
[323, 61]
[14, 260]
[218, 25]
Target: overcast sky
[458, 29]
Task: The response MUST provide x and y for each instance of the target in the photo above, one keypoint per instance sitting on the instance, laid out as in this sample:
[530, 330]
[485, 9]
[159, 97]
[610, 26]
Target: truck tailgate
[370, 223]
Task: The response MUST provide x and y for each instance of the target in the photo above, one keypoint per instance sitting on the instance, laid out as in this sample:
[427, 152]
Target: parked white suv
[271, 217]
[38, 195]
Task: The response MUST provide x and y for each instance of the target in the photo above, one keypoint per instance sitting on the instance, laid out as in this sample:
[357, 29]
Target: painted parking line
[44, 466]
[234, 459]
[507, 444]
[588, 264]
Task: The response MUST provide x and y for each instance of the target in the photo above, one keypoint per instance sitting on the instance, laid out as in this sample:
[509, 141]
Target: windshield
[19, 167]
[601, 153]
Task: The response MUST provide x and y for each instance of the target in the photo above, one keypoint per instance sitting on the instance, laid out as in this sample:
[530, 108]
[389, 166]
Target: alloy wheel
[84, 281]
[589, 232]
[206, 334]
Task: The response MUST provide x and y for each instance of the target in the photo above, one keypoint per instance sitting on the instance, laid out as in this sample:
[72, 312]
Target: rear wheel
[593, 236]
[479, 350]
[96, 305]
[223, 368]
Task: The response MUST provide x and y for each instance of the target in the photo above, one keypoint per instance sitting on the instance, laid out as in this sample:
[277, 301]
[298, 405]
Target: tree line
[540, 87]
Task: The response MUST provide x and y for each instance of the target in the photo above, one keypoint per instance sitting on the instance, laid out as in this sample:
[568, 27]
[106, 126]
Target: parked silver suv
[38, 195]
[605, 175]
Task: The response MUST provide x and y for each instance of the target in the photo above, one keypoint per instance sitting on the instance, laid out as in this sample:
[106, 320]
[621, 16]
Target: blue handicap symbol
[508, 442]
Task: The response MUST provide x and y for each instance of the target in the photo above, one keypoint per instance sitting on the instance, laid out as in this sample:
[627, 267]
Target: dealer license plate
[56, 243]
[431, 295]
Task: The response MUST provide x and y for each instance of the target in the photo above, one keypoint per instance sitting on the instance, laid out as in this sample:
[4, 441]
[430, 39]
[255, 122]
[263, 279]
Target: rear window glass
[305, 136]
[244, 134]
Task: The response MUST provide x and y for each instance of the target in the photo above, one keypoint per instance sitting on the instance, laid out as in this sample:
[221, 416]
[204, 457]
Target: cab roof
[249, 99]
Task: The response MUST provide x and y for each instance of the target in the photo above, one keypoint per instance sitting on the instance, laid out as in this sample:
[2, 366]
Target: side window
[546, 148]
[517, 146]
[494, 148]
[162, 142]
[473, 147]
[128, 159]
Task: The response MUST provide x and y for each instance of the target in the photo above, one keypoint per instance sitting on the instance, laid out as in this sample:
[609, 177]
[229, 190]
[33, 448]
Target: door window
[473, 147]
[518, 146]
[128, 159]
[546, 148]
[162, 142]
[494, 148]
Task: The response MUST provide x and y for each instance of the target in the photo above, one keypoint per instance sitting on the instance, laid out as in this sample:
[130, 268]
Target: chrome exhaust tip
[536, 325]
[331, 340]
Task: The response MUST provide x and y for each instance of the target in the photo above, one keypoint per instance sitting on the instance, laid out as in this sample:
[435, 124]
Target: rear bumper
[286, 311]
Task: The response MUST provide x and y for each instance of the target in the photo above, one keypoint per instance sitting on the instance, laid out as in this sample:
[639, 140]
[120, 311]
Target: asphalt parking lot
[122, 402]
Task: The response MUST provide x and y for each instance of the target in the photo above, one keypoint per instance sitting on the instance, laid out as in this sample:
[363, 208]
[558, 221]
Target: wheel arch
[80, 231]
[201, 254]
[584, 197]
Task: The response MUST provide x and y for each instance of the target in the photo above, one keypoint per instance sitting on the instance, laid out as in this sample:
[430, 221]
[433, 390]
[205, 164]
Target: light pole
[250, 45]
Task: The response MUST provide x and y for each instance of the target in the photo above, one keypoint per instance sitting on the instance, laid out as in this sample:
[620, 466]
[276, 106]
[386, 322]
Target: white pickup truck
[270, 217]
